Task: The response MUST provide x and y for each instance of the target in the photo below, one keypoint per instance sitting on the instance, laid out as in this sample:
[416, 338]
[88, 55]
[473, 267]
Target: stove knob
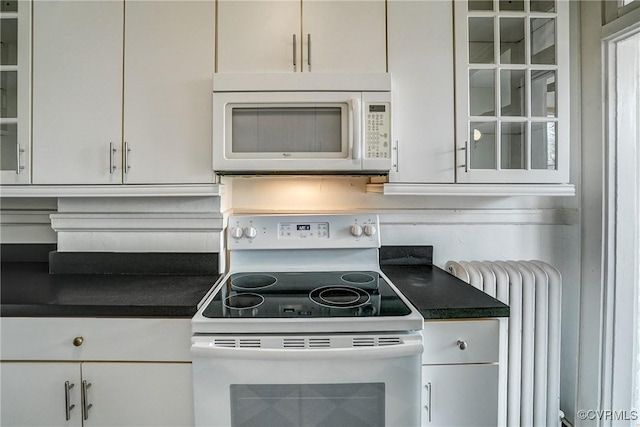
[237, 232]
[356, 231]
[370, 230]
[250, 232]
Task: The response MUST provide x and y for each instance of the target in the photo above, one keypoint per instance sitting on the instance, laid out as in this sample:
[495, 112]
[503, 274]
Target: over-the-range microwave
[307, 123]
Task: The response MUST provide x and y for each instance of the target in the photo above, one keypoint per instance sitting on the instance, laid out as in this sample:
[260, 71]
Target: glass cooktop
[305, 295]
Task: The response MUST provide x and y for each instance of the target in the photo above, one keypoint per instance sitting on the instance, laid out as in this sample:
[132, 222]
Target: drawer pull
[77, 341]
[67, 400]
[462, 345]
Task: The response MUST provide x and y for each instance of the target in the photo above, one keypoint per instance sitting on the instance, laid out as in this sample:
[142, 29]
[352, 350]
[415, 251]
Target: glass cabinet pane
[480, 5]
[544, 146]
[543, 93]
[517, 5]
[512, 146]
[482, 90]
[512, 92]
[512, 41]
[543, 6]
[543, 41]
[9, 41]
[9, 6]
[8, 147]
[482, 145]
[8, 94]
[481, 41]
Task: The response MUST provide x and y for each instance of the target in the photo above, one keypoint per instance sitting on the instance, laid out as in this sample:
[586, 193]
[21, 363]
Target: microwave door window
[299, 131]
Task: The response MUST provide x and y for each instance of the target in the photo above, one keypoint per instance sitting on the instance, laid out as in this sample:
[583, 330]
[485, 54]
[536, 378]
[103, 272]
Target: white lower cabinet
[463, 375]
[96, 394]
[95, 372]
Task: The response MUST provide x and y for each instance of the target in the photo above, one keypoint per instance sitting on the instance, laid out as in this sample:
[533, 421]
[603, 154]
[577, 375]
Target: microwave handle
[356, 143]
[411, 348]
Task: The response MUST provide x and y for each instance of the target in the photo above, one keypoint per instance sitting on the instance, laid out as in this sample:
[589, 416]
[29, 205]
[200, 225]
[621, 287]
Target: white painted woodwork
[485, 190]
[421, 66]
[77, 90]
[461, 395]
[346, 36]
[464, 387]
[110, 191]
[119, 339]
[23, 108]
[168, 63]
[163, 94]
[33, 394]
[121, 394]
[481, 338]
[258, 36]
[139, 394]
[465, 174]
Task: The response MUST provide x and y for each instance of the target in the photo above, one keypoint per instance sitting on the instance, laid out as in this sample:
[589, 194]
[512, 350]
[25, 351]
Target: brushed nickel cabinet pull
[19, 152]
[85, 399]
[127, 150]
[309, 51]
[112, 159]
[67, 407]
[294, 53]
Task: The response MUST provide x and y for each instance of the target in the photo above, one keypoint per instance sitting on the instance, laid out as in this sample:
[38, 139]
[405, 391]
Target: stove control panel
[303, 231]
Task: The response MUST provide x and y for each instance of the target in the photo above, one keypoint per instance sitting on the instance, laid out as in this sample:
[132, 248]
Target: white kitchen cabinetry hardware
[301, 36]
[421, 67]
[463, 373]
[137, 113]
[512, 91]
[96, 372]
[15, 92]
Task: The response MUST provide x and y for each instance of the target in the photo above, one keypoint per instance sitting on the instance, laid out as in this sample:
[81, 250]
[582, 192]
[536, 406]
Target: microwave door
[302, 132]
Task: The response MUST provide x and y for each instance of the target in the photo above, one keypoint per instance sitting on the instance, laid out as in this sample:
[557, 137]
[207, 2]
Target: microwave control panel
[377, 124]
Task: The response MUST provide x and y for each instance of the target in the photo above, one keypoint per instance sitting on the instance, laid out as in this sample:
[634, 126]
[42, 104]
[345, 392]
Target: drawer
[461, 341]
[107, 339]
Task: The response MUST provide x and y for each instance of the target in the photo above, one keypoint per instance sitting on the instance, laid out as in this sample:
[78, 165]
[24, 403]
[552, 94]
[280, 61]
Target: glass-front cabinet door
[15, 48]
[512, 109]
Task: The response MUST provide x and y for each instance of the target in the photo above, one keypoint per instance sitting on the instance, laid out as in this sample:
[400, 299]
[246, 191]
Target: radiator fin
[532, 289]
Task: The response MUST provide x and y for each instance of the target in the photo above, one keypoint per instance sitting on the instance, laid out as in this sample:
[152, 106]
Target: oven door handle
[203, 349]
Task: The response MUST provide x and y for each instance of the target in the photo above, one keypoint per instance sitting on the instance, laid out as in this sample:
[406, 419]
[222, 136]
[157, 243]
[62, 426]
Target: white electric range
[306, 330]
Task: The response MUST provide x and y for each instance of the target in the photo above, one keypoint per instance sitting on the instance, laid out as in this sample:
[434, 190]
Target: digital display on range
[303, 227]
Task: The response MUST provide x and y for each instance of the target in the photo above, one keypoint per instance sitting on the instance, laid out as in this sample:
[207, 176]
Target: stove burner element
[243, 301]
[339, 296]
[359, 278]
[253, 281]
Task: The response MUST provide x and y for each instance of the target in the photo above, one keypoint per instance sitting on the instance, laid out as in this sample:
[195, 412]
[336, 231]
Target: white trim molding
[128, 190]
[501, 190]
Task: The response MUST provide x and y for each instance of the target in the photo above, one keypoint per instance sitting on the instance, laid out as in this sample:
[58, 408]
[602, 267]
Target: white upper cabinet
[15, 91]
[168, 64]
[420, 37]
[110, 109]
[77, 91]
[301, 35]
[512, 91]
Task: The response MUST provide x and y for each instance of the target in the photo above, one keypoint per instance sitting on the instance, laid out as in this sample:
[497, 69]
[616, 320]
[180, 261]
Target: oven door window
[296, 131]
[309, 405]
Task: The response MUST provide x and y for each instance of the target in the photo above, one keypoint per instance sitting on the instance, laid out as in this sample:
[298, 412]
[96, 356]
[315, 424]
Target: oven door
[310, 381]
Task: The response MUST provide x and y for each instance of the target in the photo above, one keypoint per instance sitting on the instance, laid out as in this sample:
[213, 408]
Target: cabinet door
[138, 394]
[345, 36]
[15, 92]
[258, 36]
[169, 51]
[77, 91]
[512, 91]
[33, 394]
[421, 67]
[460, 395]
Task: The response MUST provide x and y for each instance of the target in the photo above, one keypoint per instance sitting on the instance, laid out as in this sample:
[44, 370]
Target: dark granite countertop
[27, 289]
[434, 292]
